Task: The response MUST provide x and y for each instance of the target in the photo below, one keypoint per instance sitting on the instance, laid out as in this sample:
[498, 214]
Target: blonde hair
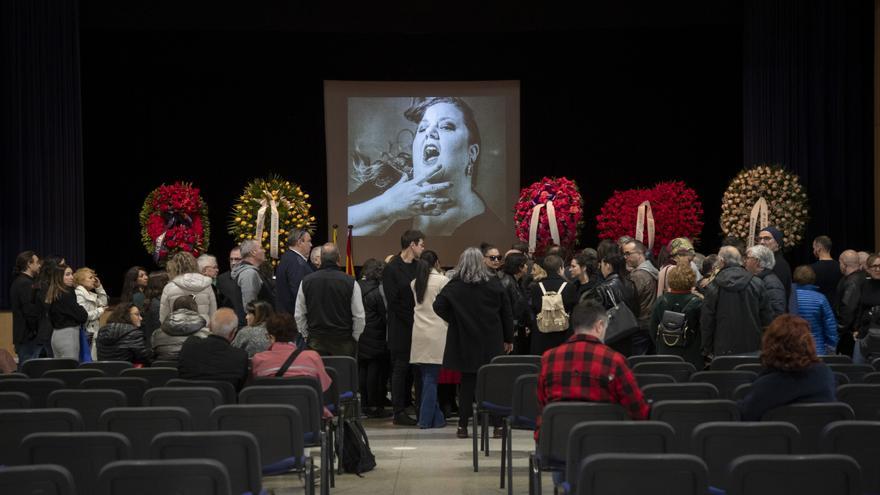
[181, 263]
[80, 276]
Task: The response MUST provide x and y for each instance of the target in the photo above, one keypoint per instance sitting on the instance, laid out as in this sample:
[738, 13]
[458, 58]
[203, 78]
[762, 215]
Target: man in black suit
[293, 268]
[230, 297]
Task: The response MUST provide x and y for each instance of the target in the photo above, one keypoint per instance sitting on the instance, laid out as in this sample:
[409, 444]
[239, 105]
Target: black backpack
[357, 457]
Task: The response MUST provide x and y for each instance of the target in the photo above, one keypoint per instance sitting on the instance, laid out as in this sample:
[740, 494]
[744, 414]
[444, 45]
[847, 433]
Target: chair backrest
[655, 358]
[802, 474]
[157, 377]
[164, 363]
[14, 375]
[14, 400]
[863, 398]
[615, 437]
[727, 363]
[38, 389]
[719, 443]
[681, 372]
[17, 424]
[855, 372]
[753, 367]
[637, 474]
[110, 368]
[198, 401]
[88, 403]
[836, 359]
[557, 421]
[237, 451]
[685, 415]
[83, 454]
[494, 389]
[679, 391]
[524, 408]
[740, 392]
[871, 378]
[132, 387]
[331, 397]
[810, 420]
[302, 397]
[725, 381]
[645, 379]
[277, 428]
[141, 424]
[307, 381]
[517, 359]
[226, 389]
[189, 476]
[72, 378]
[347, 369]
[859, 440]
[48, 479]
[35, 368]
[840, 378]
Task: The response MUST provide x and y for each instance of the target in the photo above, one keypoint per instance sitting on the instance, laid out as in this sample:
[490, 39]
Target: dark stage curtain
[41, 132]
[807, 104]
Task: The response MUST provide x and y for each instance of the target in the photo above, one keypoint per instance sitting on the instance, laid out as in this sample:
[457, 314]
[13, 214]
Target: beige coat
[429, 330]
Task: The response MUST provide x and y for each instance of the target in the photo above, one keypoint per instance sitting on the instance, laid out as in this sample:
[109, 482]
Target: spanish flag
[349, 259]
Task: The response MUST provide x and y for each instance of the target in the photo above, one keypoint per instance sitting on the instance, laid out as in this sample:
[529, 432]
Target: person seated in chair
[213, 357]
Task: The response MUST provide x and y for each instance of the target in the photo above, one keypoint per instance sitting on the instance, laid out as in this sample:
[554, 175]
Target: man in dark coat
[736, 309]
[772, 238]
[846, 299]
[26, 308]
[230, 295]
[294, 266]
[826, 268]
[213, 357]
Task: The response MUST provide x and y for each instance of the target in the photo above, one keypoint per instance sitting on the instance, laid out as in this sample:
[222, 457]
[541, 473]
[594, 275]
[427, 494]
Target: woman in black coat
[373, 356]
[480, 325]
[615, 287]
[122, 339]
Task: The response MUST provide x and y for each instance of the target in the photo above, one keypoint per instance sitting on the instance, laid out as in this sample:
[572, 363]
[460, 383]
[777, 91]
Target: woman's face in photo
[442, 139]
[68, 277]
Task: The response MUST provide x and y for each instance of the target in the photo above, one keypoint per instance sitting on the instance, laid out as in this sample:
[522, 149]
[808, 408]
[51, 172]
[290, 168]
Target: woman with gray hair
[478, 312]
[760, 262]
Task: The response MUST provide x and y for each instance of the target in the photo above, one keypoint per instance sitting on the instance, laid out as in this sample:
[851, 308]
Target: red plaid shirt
[584, 369]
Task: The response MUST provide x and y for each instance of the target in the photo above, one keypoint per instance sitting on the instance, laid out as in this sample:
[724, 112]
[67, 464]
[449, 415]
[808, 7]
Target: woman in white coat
[428, 336]
[183, 271]
[92, 297]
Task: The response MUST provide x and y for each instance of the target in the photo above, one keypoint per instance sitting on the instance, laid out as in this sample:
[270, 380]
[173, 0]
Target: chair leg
[341, 435]
[503, 453]
[484, 427]
[326, 468]
[531, 474]
[509, 434]
[476, 456]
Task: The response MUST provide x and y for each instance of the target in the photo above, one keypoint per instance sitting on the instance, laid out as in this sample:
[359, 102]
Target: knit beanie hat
[776, 233]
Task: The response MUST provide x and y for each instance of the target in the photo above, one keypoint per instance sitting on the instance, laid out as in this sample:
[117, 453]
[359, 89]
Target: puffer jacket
[775, 291]
[189, 284]
[95, 303]
[122, 342]
[180, 325]
[373, 341]
[814, 307]
[736, 310]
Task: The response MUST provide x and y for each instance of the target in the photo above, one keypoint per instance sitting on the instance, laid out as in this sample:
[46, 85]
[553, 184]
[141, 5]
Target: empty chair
[9, 376]
[237, 451]
[802, 474]
[83, 454]
[725, 381]
[719, 443]
[863, 398]
[347, 370]
[729, 363]
[189, 476]
[133, 388]
[557, 421]
[226, 389]
[681, 372]
[855, 372]
[72, 378]
[517, 359]
[753, 367]
[685, 415]
[742, 391]
[841, 378]
[810, 420]
[523, 416]
[859, 440]
[679, 391]
[871, 378]
[14, 400]
[164, 363]
[110, 368]
[35, 368]
[614, 437]
[88, 403]
[876, 363]
[493, 395]
[645, 379]
[836, 359]
[308, 381]
[157, 377]
[17, 424]
[638, 474]
[38, 389]
[198, 401]
[656, 358]
[141, 424]
[43, 479]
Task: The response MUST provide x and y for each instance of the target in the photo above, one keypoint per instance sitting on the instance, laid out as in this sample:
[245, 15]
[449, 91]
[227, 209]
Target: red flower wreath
[677, 210]
[569, 208]
[173, 219]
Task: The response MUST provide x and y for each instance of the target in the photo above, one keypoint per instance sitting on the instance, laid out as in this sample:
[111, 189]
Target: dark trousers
[333, 346]
[372, 374]
[400, 371]
[466, 398]
[28, 350]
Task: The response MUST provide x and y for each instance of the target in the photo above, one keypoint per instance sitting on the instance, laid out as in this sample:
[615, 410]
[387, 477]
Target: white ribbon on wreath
[759, 217]
[271, 204]
[551, 220]
[644, 212]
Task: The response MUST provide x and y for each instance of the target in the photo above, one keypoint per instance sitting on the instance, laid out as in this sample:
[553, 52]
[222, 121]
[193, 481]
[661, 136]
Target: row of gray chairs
[681, 371]
[726, 363]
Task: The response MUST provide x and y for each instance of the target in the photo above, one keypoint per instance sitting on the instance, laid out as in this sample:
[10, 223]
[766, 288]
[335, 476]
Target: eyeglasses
[874, 267]
[628, 253]
[765, 238]
[494, 258]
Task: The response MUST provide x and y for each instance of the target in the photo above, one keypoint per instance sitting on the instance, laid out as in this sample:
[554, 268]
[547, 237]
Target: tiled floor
[427, 462]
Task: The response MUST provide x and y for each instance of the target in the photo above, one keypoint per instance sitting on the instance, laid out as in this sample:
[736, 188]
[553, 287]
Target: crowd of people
[425, 332]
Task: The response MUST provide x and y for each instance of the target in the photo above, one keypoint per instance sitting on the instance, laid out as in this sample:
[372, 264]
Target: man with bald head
[736, 309]
[846, 298]
[212, 357]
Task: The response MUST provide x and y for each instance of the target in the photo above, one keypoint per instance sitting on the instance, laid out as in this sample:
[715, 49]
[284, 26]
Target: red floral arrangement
[677, 211]
[569, 208]
[173, 219]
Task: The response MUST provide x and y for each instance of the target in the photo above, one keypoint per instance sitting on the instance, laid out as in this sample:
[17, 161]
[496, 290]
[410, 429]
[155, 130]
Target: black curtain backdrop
[42, 200]
[808, 103]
